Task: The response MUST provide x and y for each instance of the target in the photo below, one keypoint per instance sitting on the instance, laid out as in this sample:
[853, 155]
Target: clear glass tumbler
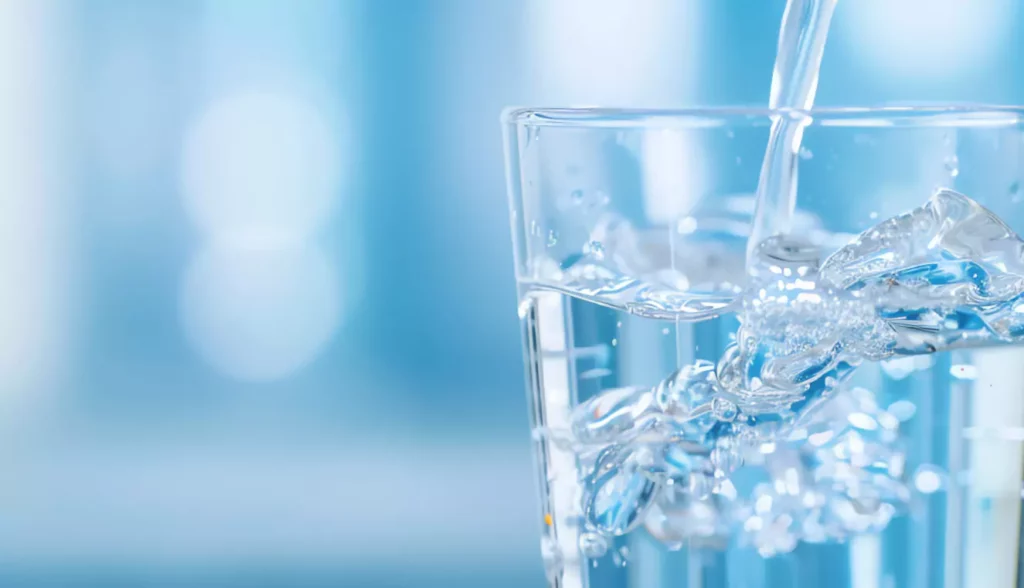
[845, 411]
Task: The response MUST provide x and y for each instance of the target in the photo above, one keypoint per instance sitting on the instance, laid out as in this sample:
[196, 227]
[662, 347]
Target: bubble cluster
[837, 474]
[776, 408]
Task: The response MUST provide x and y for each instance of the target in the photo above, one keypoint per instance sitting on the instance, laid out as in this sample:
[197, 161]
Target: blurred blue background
[257, 314]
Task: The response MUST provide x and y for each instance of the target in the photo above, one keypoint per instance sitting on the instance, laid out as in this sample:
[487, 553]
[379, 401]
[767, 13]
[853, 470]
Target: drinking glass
[630, 232]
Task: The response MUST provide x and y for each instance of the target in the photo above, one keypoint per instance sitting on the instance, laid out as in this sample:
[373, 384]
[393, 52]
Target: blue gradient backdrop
[257, 315]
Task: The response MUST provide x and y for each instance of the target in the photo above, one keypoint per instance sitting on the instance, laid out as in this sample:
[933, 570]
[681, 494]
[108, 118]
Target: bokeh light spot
[261, 163]
[260, 314]
[922, 39]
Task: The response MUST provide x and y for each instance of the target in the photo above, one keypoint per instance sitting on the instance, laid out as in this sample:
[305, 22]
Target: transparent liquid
[804, 413]
[961, 427]
[814, 422]
[802, 36]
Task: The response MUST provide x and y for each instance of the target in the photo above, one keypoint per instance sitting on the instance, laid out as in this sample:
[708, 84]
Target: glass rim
[925, 115]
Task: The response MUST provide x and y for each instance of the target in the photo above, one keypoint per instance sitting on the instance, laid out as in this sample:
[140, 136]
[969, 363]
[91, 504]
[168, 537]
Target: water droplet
[731, 134]
[805, 153]
[1015, 195]
[619, 556]
[615, 342]
[873, 215]
[593, 545]
[665, 331]
[577, 196]
[952, 164]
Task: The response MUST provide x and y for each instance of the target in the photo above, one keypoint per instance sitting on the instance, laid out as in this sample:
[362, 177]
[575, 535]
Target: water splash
[943, 275]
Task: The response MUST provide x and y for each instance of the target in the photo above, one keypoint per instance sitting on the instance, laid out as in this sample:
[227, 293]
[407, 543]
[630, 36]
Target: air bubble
[724, 409]
[929, 479]
[903, 410]
[619, 558]
[593, 545]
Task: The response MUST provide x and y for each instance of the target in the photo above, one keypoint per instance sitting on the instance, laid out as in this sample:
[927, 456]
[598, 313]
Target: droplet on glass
[952, 164]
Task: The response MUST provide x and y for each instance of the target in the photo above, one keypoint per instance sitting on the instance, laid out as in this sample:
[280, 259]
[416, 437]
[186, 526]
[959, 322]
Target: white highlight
[865, 561]
[262, 165]
[964, 371]
[260, 314]
[614, 52]
[34, 288]
[925, 39]
[622, 53]
[927, 480]
[904, 410]
[992, 506]
[674, 175]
